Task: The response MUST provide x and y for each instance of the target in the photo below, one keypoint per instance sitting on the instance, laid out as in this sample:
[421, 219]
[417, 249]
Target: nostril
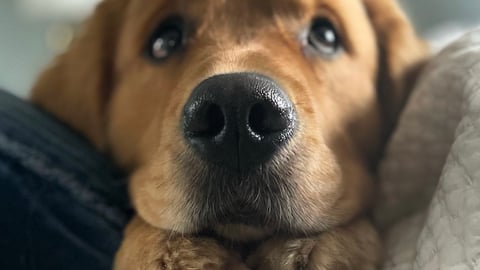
[265, 119]
[208, 122]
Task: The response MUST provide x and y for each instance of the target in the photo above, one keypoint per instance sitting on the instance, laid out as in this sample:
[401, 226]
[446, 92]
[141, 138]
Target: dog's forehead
[237, 8]
[248, 12]
[244, 9]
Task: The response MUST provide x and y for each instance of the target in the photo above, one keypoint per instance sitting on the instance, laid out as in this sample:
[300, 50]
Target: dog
[250, 129]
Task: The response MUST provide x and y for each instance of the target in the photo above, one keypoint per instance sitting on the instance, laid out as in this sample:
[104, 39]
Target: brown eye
[323, 37]
[166, 40]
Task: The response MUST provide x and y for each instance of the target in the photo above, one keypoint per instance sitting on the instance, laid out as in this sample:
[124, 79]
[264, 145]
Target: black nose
[238, 120]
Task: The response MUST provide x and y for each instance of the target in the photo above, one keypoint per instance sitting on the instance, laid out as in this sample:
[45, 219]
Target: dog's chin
[244, 205]
[241, 232]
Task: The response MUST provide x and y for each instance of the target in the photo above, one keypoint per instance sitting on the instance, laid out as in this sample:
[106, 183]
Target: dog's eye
[167, 38]
[323, 37]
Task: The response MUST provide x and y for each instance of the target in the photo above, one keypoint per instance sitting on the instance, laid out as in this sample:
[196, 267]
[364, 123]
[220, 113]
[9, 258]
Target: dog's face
[245, 117]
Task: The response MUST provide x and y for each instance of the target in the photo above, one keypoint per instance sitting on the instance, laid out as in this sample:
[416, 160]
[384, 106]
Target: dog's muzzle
[238, 121]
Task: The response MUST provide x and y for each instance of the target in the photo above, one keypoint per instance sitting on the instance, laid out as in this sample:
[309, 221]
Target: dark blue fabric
[62, 205]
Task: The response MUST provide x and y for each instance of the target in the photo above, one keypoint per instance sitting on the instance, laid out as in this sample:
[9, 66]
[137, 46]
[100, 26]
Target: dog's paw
[353, 247]
[282, 254]
[148, 248]
[180, 253]
[184, 253]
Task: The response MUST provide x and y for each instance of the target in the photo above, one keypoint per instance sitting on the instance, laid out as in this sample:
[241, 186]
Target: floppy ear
[77, 85]
[402, 55]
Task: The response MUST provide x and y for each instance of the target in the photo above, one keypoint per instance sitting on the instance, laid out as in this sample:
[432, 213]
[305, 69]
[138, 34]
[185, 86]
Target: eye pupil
[165, 40]
[323, 37]
[172, 43]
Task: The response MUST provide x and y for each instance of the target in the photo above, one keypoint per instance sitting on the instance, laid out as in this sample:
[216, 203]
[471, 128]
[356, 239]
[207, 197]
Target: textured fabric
[430, 177]
[62, 205]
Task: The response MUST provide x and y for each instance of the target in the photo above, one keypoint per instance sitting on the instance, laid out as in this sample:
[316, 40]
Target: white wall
[58, 9]
[22, 49]
[429, 14]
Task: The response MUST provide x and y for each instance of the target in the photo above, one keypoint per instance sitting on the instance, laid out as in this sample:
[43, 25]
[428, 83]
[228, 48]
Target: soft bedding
[429, 206]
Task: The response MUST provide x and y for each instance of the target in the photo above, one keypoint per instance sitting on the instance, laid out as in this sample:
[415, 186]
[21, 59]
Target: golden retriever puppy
[251, 129]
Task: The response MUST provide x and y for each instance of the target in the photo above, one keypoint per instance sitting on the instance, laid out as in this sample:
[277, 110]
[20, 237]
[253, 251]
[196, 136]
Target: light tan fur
[124, 104]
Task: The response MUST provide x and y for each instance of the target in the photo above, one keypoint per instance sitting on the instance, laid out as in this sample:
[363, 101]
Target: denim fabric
[62, 205]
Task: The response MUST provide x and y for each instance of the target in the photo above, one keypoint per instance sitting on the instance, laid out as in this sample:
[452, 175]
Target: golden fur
[127, 106]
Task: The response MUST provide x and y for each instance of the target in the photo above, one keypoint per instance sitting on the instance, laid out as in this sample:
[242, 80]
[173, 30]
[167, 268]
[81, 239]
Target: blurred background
[33, 31]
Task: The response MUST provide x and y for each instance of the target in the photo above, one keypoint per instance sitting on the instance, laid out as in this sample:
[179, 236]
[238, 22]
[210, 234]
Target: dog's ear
[402, 56]
[77, 85]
